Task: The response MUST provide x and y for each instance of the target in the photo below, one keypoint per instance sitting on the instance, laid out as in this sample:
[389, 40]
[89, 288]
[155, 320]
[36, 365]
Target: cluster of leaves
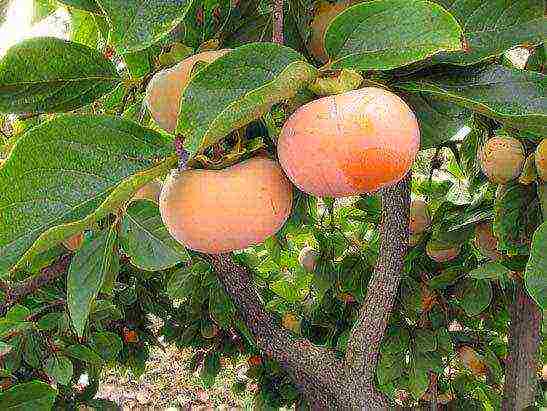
[70, 173]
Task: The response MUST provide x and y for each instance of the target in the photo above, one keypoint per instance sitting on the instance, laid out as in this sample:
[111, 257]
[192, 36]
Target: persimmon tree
[424, 287]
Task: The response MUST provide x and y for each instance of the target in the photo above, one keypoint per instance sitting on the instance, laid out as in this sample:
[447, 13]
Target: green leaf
[42, 9]
[146, 240]
[83, 353]
[60, 368]
[138, 24]
[516, 216]
[84, 29]
[30, 396]
[511, 96]
[493, 363]
[183, 281]
[47, 74]
[491, 271]
[418, 380]
[85, 276]
[535, 277]
[17, 313]
[491, 27]
[107, 344]
[50, 321]
[238, 88]
[210, 369]
[439, 120]
[386, 34]
[221, 307]
[292, 287]
[476, 296]
[78, 161]
[424, 340]
[4, 348]
[444, 279]
[89, 5]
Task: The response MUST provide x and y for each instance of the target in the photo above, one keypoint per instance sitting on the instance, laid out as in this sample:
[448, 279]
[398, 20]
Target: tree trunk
[522, 362]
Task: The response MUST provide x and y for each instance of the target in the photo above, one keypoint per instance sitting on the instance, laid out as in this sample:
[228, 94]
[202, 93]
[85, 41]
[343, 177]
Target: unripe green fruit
[419, 221]
[308, 258]
[440, 252]
[502, 159]
[541, 159]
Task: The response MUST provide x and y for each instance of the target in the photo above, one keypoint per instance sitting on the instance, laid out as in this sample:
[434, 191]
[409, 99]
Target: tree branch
[277, 36]
[368, 331]
[314, 370]
[522, 362]
[48, 274]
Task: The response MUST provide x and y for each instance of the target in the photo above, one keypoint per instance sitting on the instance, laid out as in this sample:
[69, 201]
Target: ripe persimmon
[348, 144]
[216, 211]
[164, 91]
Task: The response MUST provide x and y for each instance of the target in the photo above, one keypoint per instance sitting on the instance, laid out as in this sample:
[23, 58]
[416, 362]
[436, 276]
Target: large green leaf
[535, 276]
[47, 74]
[137, 24]
[63, 170]
[439, 120]
[89, 5]
[83, 353]
[30, 396]
[238, 88]
[184, 281]
[386, 34]
[512, 96]
[86, 275]
[492, 26]
[145, 239]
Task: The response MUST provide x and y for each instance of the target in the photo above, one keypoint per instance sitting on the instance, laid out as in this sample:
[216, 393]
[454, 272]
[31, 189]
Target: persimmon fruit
[348, 144]
[419, 220]
[308, 258]
[541, 159]
[217, 211]
[440, 252]
[502, 159]
[486, 242]
[164, 91]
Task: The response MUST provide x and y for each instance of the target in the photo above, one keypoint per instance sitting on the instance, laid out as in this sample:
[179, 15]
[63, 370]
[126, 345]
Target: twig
[181, 152]
[48, 274]
[277, 36]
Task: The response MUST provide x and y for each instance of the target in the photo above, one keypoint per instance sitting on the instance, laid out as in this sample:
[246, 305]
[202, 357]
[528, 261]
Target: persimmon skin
[502, 159]
[217, 211]
[419, 221]
[349, 144]
[164, 91]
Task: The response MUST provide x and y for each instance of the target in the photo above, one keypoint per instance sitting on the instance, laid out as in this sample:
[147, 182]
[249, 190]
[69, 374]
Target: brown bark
[277, 16]
[48, 274]
[325, 381]
[318, 374]
[368, 331]
[522, 363]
